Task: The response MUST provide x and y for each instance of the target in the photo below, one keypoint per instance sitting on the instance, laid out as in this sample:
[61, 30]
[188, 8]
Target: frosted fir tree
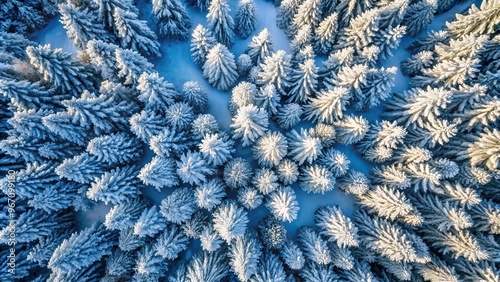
[135, 34]
[120, 263]
[335, 161]
[25, 95]
[210, 240]
[194, 95]
[179, 206]
[147, 124]
[265, 180]
[172, 19]
[102, 55]
[361, 30]
[303, 147]
[237, 173]
[313, 246]
[376, 88]
[447, 216]
[270, 269]
[283, 204]
[124, 215]
[155, 92]
[482, 150]
[150, 223]
[268, 99]
[244, 254]
[81, 25]
[270, 149]
[208, 267]
[333, 224]
[417, 63]
[325, 34]
[106, 8]
[216, 148]
[351, 129]
[276, 71]
[193, 227]
[450, 73]
[220, 68]
[193, 168]
[272, 232]
[106, 148]
[249, 124]
[128, 241]
[292, 255]
[204, 124]
[115, 186]
[286, 13]
[60, 69]
[202, 42]
[289, 115]
[81, 168]
[131, 65]
[230, 221]
[32, 178]
[437, 270]
[288, 171]
[418, 16]
[485, 216]
[160, 173]
[64, 194]
[304, 82]
[244, 64]
[325, 132]
[83, 248]
[249, 198]
[316, 179]
[354, 182]
[210, 194]
[329, 105]
[260, 46]
[243, 94]
[220, 22]
[93, 271]
[308, 13]
[179, 116]
[349, 9]
[245, 20]
[469, 23]
[170, 243]
[149, 266]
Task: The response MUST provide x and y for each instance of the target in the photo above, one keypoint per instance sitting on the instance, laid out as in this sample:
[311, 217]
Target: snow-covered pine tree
[276, 70]
[171, 242]
[216, 148]
[149, 266]
[82, 25]
[135, 33]
[230, 220]
[172, 19]
[418, 16]
[115, 186]
[245, 20]
[194, 95]
[220, 22]
[260, 46]
[179, 116]
[282, 204]
[124, 215]
[325, 34]
[25, 95]
[204, 124]
[242, 95]
[220, 68]
[286, 13]
[60, 69]
[272, 233]
[202, 42]
[361, 30]
[160, 173]
[308, 13]
[244, 254]
[207, 267]
[155, 92]
[314, 247]
[179, 206]
[303, 82]
[102, 55]
[265, 180]
[270, 149]
[81, 168]
[289, 115]
[249, 124]
[329, 105]
[316, 179]
[335, 225]
[267, 98]
[237, 173]
[131, 65]
[351, 129]
[270, 268]
[210, 194]
[292, 255]
[150, 223]
[115, 148]
[147, 124]
[193, 168]
[477, 21]
[303, 147]
[83, 248]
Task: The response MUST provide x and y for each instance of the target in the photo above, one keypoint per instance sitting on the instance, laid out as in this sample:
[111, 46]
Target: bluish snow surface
[177, 67]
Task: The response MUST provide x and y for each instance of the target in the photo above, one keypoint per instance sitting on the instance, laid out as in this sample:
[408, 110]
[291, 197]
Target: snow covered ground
[177, 67]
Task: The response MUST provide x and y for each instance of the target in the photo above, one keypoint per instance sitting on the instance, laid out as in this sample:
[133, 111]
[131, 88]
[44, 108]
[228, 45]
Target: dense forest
[102, 126]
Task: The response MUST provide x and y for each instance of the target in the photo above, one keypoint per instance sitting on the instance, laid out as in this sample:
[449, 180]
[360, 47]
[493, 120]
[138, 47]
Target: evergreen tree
[135, 33]
[244, 64]
[249, 197]
[106, 148]
[237, 173]
[260, 46]
[220, 23]
[245, 18]
[304, 82]
[179, 206]
[169, 142]
[60, 69]
[204, 124]
[270, 149]
[314, 247]
[276, 70]
[349, 9]
[170, 243]
[128, 241]
[159, 173]
[155, 92]
[419, 15]
[115, 186]
[210, 194]
[334, 225]
[282, 204]
[131, 65]
[194, 95]
[488, 13]
[62, 124]
[286, 13]
[308, 13]
[243, 94]
[120, 263]
[207, 267]
[270, 268]
[193, 168]
[329, 105]
[335, 161]
[124, 214]
[172, 19]
[102, 55]
[289, 115]
[483, 149]
[106, 9]
[292, 256]
[179, 116]
[230, 220]
[193, 227]
[249, 124]
[149, 223]
[149, 266]
[351, 129]
[265, 180]
[244, 254]
[81, 25]
[220, 67]
[216, 148]
[82, 249]
[81, 168]
[25, 95]
[361, 30]
[288, 171]
[147, 124]
[200, 4]
[324, 39]
[272, 233]
[210, 240]
[268, 99]
[202, 41]
[62, 195]
[316, 179]
[303, 147]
